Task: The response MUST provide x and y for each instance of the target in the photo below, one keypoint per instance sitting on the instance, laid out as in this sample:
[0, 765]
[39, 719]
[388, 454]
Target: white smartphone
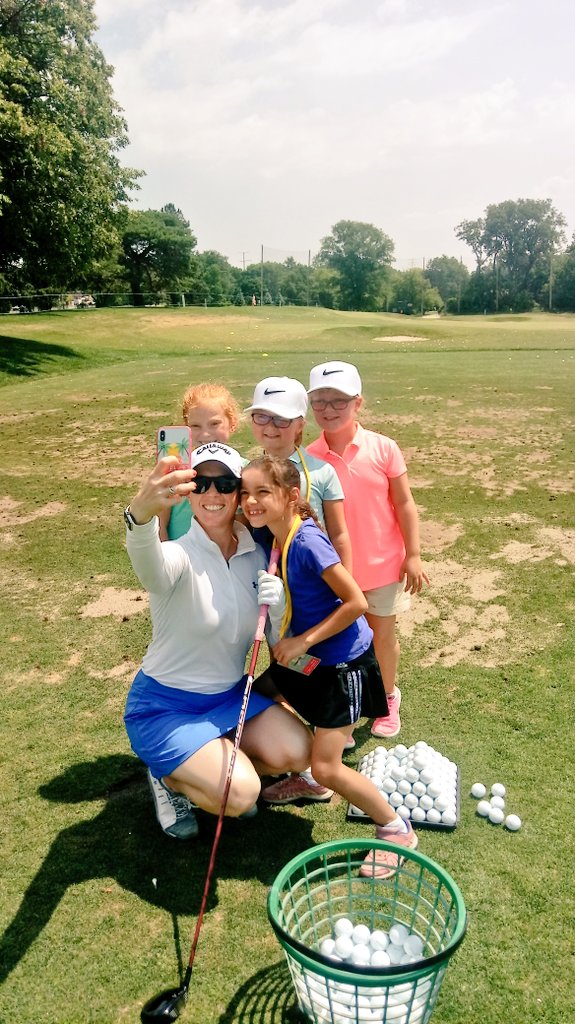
[175, 441]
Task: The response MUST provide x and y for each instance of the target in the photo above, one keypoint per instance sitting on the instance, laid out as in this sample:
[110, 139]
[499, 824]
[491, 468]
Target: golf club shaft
[273, 562]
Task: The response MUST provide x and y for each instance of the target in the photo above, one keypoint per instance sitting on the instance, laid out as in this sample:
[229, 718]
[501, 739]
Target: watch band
[129, 519]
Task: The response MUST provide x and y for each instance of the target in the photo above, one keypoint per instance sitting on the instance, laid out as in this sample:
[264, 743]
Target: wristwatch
[129, 519]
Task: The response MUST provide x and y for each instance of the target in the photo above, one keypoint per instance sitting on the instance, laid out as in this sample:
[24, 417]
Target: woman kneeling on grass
[185, 701]
[325, 617]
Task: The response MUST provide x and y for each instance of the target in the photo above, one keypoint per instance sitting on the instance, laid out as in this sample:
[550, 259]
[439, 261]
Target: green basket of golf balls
[366, 949]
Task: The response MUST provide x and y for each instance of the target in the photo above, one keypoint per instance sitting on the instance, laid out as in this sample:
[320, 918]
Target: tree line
[66, 224]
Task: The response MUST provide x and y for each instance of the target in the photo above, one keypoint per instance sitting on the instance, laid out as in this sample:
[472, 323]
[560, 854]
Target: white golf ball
[327, 947]
[498, 789]
[344, 946]
[496, 815]
[497, 801]
[361, 935]
[398, 933]
[413, 945]
[434, 816]
[483, 808]
[380, 958]
[418, 814]
[441, 803]
[411, 800]
[478, 790]
[361, 954]
[419, 788]
[379, 939]
[448, 817]
[343, 926]
[426, 802]
[395, 953]
[513, 822]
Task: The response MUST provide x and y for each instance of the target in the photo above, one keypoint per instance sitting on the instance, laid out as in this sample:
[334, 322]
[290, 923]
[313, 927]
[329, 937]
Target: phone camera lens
[162, 435]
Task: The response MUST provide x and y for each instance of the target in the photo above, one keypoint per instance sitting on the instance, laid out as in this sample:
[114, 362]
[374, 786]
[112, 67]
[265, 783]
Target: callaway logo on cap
[215, 451]
[213, 447]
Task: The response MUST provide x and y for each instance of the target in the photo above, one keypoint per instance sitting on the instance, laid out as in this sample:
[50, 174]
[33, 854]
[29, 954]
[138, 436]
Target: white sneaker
[173, 810]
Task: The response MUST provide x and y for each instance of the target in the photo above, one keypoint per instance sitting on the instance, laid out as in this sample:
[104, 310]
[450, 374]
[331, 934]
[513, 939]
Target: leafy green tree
[413, 294]
[516, 239]
[213, 280]
[62, 189]
[449, 276]
[157, 248]
[360, 254]
[563, 288]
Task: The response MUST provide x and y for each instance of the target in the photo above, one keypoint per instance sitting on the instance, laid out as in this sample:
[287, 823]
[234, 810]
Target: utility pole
[244, 261]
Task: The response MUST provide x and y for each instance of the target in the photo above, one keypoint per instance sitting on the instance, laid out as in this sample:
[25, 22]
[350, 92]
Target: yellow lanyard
[288, 612]
[306, 474]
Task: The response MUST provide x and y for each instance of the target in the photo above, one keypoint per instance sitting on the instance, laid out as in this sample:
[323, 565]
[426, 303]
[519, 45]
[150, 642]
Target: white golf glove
[271, 592]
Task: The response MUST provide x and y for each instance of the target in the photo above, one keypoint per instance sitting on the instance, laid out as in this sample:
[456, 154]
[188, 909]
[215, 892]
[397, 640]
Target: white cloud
[242, 109]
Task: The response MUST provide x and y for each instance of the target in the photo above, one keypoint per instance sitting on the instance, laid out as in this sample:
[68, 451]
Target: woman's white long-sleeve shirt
[204, 609]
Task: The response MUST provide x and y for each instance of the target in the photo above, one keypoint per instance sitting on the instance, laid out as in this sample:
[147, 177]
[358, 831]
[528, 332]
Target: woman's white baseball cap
[215, 451]
[280, 396]
[340, 376]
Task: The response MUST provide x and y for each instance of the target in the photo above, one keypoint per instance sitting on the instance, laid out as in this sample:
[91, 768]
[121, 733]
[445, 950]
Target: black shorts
[334, 695]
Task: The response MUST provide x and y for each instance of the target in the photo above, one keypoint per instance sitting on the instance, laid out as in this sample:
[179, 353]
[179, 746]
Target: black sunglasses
[223, 484]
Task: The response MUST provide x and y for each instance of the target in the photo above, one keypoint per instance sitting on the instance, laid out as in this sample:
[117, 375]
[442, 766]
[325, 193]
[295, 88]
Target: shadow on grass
[23, 357]
[125, 842]
[267, 997]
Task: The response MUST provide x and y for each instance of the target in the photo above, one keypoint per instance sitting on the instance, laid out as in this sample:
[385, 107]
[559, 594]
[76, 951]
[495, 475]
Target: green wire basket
[322, 885]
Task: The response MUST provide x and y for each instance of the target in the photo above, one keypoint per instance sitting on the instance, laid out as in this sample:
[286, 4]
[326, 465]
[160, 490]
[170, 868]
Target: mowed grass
[97, 906]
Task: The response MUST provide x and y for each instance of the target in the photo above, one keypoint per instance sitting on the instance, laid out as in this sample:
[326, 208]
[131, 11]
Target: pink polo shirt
[367, 465]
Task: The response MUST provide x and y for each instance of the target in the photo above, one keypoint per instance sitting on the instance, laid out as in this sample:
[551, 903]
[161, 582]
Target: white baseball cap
[340, 376]
[280, 396]
[215, 451]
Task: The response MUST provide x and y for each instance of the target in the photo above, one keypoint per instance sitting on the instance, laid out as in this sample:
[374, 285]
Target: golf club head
[165, 1006]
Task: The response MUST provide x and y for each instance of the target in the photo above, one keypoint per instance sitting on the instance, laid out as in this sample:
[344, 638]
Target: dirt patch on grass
[9, 515]
[398, 337]
[551, 542]
[120, 604]
[436, 537]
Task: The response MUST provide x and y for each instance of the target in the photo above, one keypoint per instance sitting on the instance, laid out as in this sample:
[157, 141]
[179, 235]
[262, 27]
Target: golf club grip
[272, 567]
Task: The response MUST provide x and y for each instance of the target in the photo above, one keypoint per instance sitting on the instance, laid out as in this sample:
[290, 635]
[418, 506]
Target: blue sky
[267, 122]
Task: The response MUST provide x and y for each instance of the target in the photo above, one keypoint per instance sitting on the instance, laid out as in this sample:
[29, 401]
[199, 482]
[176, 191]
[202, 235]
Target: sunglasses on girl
[262, 419]
[223, 484]
[338, 404]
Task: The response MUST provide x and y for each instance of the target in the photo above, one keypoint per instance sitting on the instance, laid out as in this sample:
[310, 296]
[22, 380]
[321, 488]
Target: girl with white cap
[380, 512]
[278, 412]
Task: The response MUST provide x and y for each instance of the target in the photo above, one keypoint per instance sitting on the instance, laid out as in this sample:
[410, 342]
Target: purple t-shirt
[309, 554]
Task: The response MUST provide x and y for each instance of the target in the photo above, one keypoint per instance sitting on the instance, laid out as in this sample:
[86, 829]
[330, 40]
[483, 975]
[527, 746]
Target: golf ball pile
[418, 781]
[405, 1003]
[356, 944]
[493, 807]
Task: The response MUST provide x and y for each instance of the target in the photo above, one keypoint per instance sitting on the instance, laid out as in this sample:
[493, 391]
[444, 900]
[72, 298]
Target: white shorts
[389, 600]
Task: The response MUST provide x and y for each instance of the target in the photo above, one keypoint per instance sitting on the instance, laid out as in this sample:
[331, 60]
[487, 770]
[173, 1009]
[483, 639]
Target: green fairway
[97, 907]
